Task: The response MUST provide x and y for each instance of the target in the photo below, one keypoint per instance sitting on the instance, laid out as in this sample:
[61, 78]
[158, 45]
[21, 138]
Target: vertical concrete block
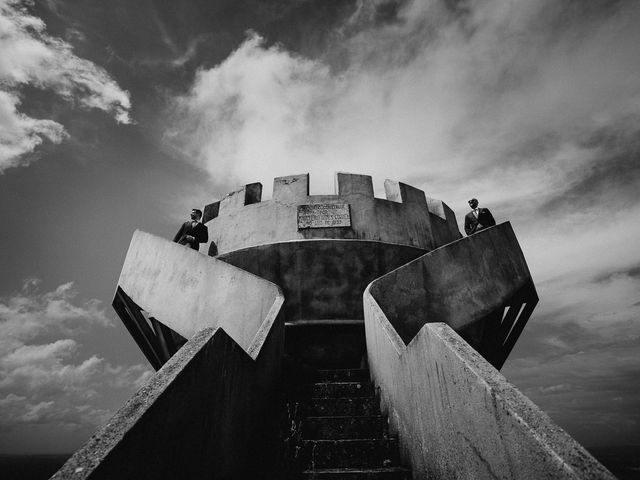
[352, 184]
[436, 207]
[392, 190]
[250, 193]
[210, 211]
[451, 221]
[232, 201]
[412, 195]
[403, 193]
[291, 189]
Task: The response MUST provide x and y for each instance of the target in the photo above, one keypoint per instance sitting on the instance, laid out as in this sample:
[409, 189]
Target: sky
[122, 115]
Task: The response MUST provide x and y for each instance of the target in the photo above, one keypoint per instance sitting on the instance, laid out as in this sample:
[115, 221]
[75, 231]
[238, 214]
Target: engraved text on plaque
[324, 215]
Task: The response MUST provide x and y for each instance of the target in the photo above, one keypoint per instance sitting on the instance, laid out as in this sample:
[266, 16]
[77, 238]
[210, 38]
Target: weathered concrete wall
[208, 413]
[188, 291]
[458, 284]
[322, 279]
[404, 218]
[457, 417]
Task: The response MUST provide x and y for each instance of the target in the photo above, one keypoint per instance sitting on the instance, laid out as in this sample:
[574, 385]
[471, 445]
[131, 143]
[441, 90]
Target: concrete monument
[329, 337]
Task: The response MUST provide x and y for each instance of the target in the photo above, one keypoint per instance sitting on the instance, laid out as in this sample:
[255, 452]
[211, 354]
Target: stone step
[343, 375]
[390, 473]
[362, 453]
[344, 406]
[339, 389]
[336, 428]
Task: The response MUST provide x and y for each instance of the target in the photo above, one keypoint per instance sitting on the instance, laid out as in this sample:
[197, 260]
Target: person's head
[196, 214]
[473, 203]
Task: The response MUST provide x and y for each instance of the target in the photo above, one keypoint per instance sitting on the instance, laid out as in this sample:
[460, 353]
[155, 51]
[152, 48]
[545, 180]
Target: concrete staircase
[343, 434]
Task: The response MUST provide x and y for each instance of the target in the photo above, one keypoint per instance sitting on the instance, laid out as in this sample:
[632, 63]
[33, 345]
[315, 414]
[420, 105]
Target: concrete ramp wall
[210, 410]
[457, 417]
[208, 413]
[480, 286]
[188, 291]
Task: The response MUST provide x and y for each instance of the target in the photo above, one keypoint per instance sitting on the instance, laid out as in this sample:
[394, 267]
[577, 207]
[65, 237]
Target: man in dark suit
[478, 218]
[192, 232]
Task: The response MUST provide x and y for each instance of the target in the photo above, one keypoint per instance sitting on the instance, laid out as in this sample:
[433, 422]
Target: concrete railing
[457, 417]
[188, 291]
[211, 409]
[479, 285]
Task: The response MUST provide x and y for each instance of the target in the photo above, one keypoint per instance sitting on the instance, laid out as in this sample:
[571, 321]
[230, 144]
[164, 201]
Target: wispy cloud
[31, 57]
[532, 106]
[45, 384]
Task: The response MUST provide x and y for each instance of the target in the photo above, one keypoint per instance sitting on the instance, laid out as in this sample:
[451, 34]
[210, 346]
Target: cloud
[45, 383]
[532, 106]
[587, 384]
[29, 313]
[453, 98]
[577, 359]
[31, 57]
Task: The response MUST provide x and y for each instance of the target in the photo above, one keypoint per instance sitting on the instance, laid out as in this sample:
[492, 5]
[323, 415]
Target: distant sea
[623, 462]
[30, 467]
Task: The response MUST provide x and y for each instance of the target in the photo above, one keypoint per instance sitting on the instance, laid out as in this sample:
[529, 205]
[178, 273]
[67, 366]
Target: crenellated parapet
[405, 217]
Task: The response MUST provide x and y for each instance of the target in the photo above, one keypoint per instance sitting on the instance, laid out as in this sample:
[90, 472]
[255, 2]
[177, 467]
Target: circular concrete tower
[323, 250]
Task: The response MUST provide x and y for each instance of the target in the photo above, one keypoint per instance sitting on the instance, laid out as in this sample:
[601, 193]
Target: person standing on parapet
[478, 218]
[193, 232]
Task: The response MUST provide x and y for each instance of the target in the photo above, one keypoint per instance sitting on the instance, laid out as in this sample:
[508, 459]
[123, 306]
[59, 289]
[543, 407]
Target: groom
[478, 218]
[192, 232]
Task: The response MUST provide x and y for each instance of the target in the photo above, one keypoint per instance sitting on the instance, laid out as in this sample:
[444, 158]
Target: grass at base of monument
[30, 467]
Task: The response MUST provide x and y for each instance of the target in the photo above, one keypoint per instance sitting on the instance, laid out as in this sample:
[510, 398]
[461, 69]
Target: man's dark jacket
[196, 229]
[473, 224]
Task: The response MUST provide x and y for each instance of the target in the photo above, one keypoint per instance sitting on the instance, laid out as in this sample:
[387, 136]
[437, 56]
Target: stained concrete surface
[322, 279]
[458, 284]
[188, 291]
[404, 219]
[457, 417]
[208, 413]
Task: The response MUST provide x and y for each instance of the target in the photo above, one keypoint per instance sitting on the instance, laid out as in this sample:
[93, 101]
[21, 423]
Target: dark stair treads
[363, 453]
[334, 428]
[342, 432]
[390, 473]
[343, 406]
[340, 389]
[343, 375]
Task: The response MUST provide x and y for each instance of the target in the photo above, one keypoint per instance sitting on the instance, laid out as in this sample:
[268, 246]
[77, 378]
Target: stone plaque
[324, 215]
